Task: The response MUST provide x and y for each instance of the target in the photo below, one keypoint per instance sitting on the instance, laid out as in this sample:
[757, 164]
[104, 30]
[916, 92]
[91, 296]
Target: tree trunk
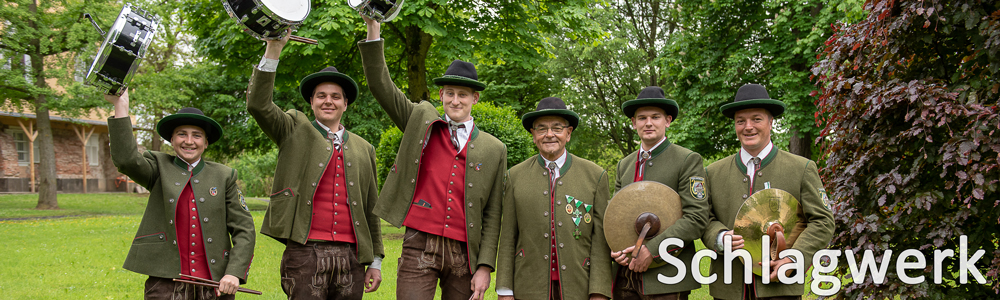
[418, 43]
[46, 149]
[800, 143]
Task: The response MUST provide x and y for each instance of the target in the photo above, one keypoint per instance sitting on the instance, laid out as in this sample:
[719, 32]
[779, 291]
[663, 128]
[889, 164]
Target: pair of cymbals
[770, 212]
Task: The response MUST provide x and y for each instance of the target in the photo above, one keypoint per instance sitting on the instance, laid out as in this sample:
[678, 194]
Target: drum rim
[268, 13]
[104, 52]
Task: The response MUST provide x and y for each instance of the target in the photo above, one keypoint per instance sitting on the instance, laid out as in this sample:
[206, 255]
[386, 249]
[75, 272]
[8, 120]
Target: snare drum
[379, 10]
[123, 49]
[267, 19]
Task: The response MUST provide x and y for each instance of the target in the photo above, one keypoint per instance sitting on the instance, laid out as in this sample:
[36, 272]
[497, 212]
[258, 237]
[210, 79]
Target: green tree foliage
[909, 102]
[41, 41]
[727, 43]
[256, 171]
[498, 121]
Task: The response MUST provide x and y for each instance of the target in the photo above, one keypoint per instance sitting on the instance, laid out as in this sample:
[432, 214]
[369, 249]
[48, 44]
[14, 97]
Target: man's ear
[475, 97]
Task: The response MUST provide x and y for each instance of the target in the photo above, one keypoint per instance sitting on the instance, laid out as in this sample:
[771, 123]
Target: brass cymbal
[635, 200]
[760, 211]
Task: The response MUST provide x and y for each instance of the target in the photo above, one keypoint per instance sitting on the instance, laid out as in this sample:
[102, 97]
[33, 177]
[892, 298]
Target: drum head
[291, 10]
[758, 212]
[356, 4]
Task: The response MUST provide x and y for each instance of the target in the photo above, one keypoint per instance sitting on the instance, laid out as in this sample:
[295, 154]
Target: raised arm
[275, 123]
[124, 150]
[392, 100]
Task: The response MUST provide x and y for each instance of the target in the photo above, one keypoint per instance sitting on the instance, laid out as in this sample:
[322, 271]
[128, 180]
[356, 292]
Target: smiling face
[458, 101]
[328, 104]
[189, 142]
[753, 128]
[651, 123]
[551, 143]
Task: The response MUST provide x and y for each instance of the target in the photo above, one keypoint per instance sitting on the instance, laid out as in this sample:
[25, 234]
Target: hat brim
[165, 127]
[345, 82]
[460, 81]
[669, 106]
[528, 119]
[776, 107]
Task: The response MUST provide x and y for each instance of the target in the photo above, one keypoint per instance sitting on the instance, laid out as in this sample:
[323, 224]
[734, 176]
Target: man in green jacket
[196, 222]
[445, 186]
[324, 186]
[759, 165]
[551, 250]
[677, 167]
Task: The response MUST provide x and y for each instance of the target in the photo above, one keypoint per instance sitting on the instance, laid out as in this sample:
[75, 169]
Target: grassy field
[80, 256]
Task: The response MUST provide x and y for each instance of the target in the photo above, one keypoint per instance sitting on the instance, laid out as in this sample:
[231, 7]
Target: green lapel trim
[763, 163]
[565, 167]
[184, 166]
[323, 132]
[656, 151]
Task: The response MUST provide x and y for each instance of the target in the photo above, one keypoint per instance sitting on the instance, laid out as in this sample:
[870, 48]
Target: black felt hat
[753, 96]
[329, 74]
[550, 106]
[651, 96]
[189, 116]
[461, 73]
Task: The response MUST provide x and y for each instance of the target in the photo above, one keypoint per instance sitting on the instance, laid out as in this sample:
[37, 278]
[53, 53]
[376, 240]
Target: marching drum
[267, 19]
[123, 49]
[379, 10]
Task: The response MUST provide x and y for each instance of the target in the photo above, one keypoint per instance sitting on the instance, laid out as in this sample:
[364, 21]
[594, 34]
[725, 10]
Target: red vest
[331, 215]
[554, 275]
[438, 205]
[189, 238]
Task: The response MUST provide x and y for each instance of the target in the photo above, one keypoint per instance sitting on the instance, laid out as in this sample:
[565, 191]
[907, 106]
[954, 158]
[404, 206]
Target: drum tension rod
[99, 30]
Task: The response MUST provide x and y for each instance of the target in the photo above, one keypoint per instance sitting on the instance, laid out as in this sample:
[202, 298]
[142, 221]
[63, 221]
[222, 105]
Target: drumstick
[302, 39]
[211, 283]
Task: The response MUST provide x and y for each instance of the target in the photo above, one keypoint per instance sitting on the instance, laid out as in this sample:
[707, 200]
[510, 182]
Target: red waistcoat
[438, 205]
[331, 219]
[189, 237]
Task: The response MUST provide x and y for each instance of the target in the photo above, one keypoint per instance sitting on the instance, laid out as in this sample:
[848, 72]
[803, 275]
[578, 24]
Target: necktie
[454, 126]
[336, 141]
[756, 166]
[552, 175]
[643, 157]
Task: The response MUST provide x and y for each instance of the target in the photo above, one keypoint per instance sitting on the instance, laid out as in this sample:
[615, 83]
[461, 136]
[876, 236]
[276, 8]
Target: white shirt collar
[463, 133]
[559, 161]
[654, 146]
[745, 156]
[338, 133]
[191, 166]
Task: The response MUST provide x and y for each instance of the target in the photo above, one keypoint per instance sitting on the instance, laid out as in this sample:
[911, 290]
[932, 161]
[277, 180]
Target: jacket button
[205, 219]
[225, 253]
[327, 148]
[355, 203]
[546, 214]
[356, 223]
[213, 260]
[546, 235]
[446, 226]
[161, 236]
[470, 164]
[545, 173]
[184, 173]
[351, 183]
[413, 180]
[209, 240]
[744, 196]
[345, 147]
[471, 225]
[560, 245]
[314, 184]
[560, 182]
[472, 146]
[309, 202]
[196, 181]
[416, 161]
[560, 224]
[175, 242]
[760, 174]
[286, 193]
[201, 199]
[177, 183]
[171, 200]
[563, 267]
[320, 164]
[470, 184]
[171, 222]
[545, 192]
[427, 122]
[558, 202]
[470, 204]
[744, 179]
[348, 164]
[546, 257]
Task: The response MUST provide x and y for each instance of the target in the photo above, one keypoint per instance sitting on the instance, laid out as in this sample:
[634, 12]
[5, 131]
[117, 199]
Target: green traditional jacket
[304, 150]
[484, 174]
[583, 254]
[227, 226]
[682, 170]
[729, 187]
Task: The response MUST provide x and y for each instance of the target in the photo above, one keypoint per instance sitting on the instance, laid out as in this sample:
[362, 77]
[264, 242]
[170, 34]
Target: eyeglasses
[541, 130]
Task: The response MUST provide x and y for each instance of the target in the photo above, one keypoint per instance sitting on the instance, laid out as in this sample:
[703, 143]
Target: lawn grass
[80, 257]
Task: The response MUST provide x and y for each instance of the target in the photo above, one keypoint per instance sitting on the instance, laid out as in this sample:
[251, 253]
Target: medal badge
[213, 191]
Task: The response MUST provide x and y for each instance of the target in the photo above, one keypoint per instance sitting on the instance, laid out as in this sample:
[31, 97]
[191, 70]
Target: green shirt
[729, 187]
[580, 198]
[227, 226]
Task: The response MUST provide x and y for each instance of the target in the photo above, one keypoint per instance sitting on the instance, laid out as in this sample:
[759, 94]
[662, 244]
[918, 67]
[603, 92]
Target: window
[92, 150]
[21, 145]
